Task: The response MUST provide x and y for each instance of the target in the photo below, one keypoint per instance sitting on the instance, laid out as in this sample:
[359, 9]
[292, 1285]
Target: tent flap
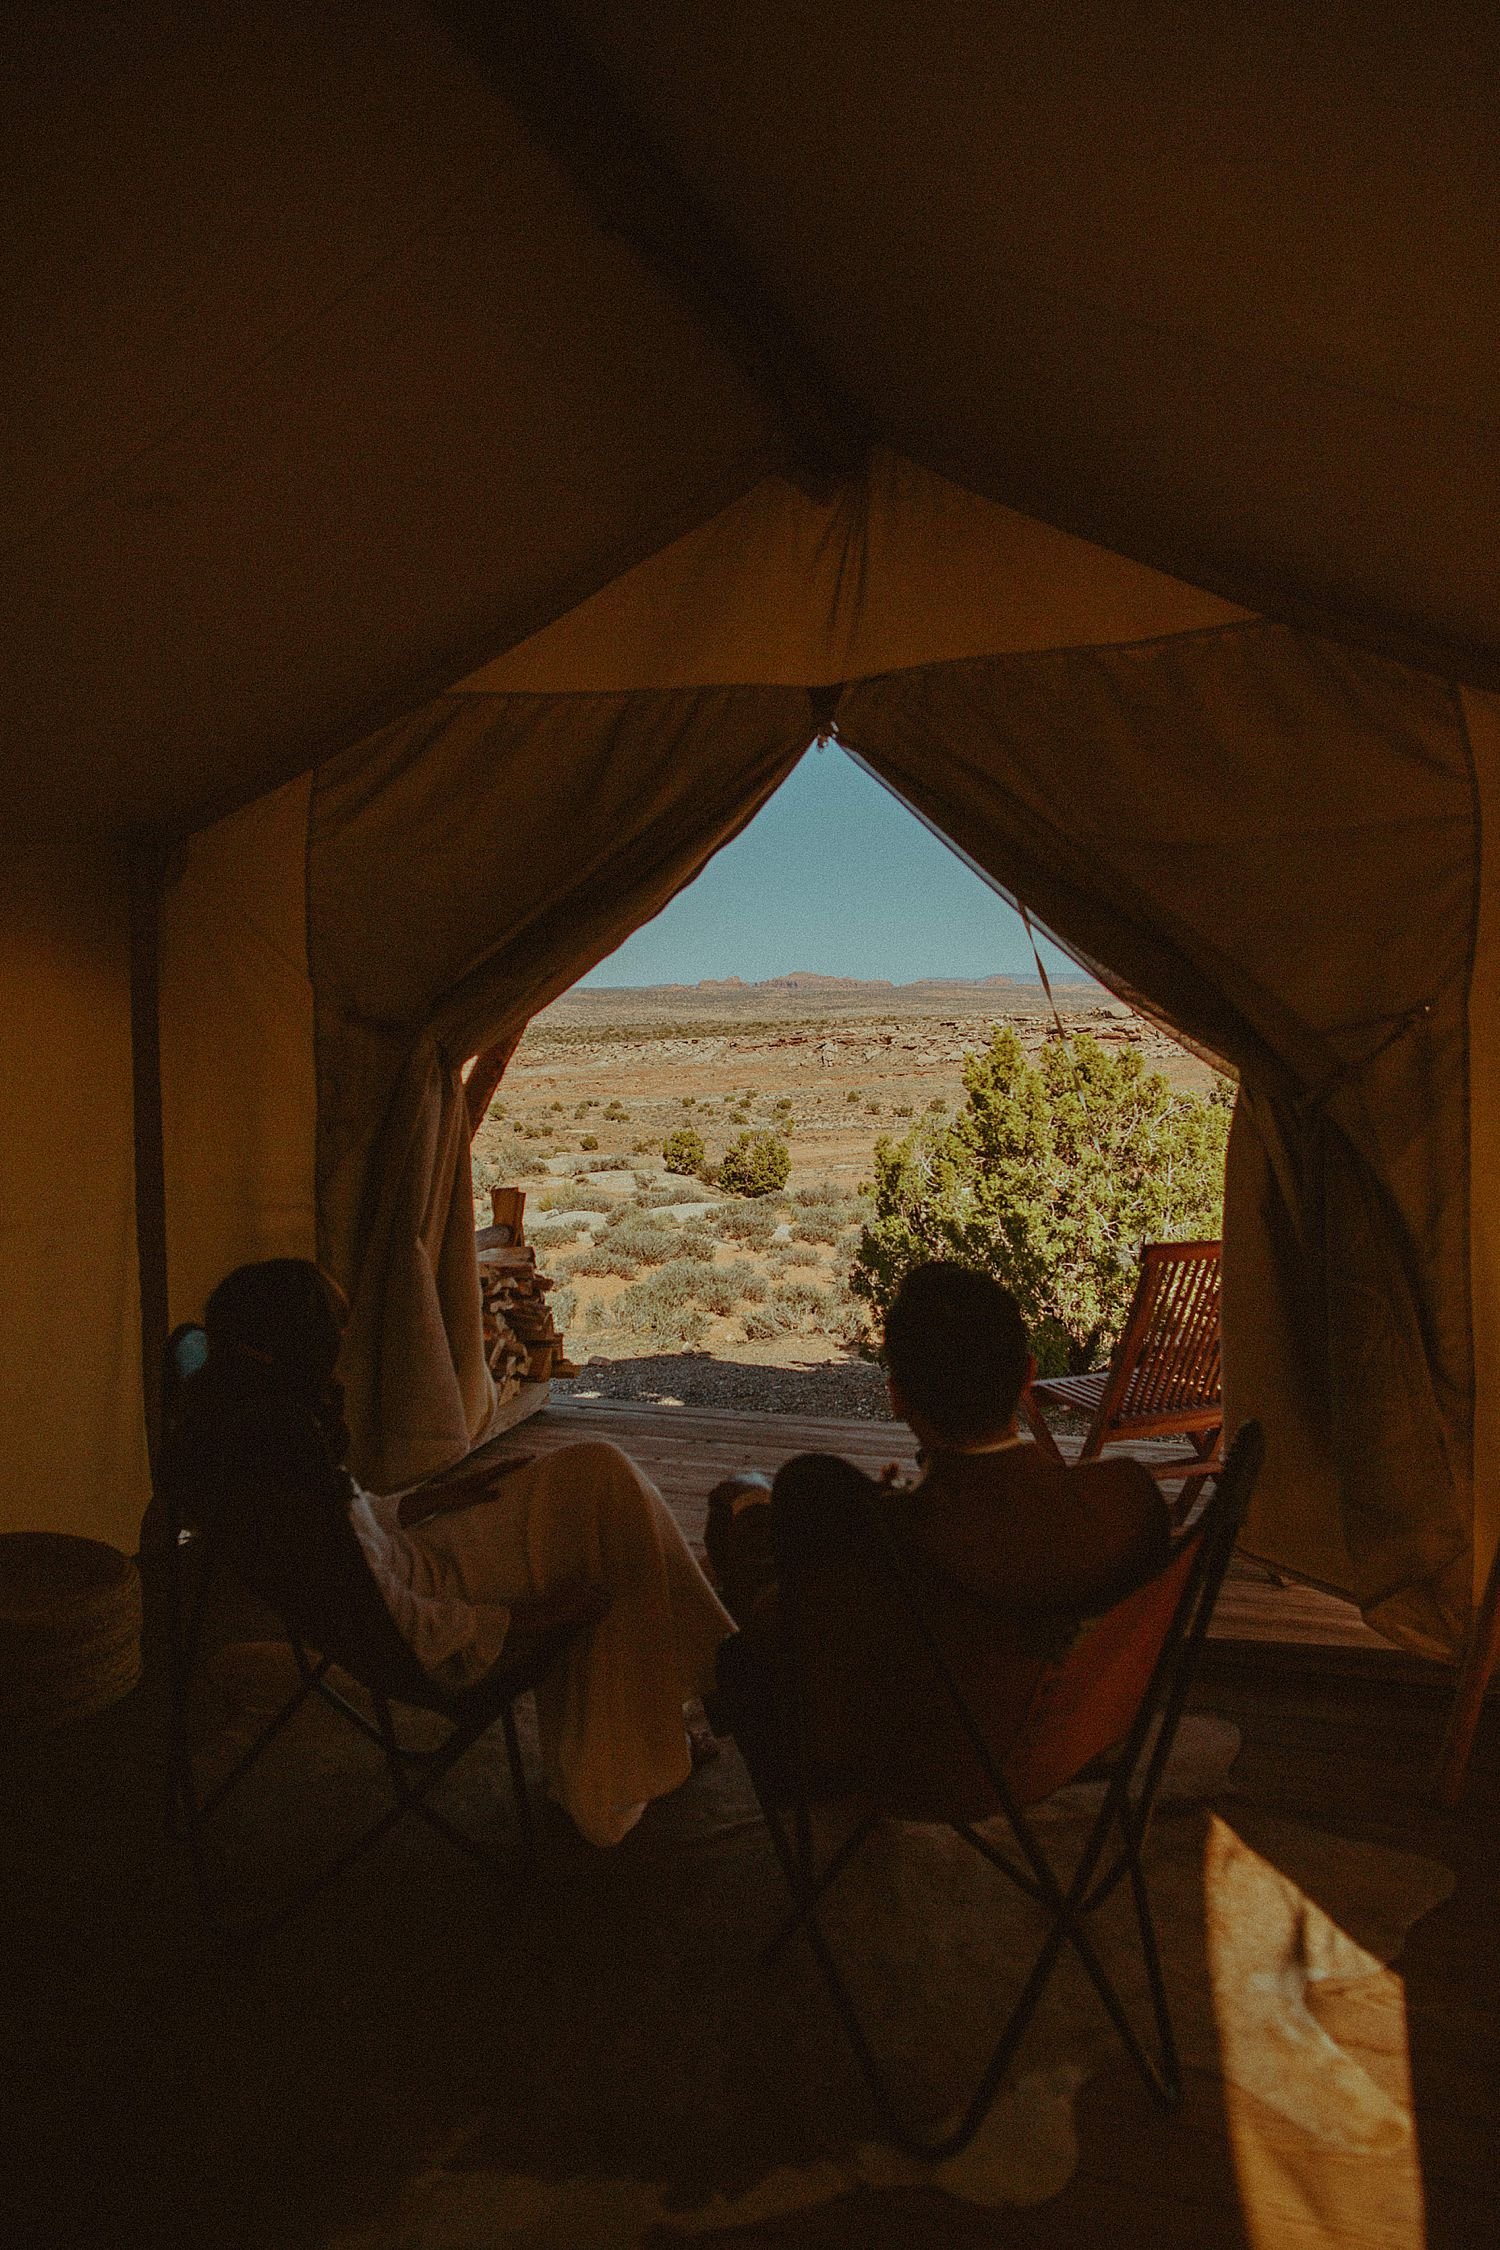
[1274, 840]
[463, 870]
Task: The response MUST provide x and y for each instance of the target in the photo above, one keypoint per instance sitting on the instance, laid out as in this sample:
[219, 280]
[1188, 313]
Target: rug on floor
[622, 2069]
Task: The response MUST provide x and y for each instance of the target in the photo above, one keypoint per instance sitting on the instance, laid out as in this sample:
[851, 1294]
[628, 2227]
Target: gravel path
[854, 1388]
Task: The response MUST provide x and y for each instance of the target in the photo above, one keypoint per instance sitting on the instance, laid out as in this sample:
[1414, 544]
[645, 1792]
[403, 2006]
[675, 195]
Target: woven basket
[70, 1629]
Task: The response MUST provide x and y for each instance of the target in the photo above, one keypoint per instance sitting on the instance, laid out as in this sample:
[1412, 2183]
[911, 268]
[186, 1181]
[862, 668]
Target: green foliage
[1051, 1176]
[754, 1165]
[683, 1151]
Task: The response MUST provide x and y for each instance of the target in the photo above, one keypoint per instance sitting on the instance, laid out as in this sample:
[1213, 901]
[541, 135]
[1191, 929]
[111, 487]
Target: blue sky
[836, 876]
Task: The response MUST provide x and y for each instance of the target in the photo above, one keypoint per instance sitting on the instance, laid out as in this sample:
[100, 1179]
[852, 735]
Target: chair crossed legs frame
[1111, 1854]
[389, 1674]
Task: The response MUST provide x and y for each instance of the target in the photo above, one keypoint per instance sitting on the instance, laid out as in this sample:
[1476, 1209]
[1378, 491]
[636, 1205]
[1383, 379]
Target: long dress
[610, 1712]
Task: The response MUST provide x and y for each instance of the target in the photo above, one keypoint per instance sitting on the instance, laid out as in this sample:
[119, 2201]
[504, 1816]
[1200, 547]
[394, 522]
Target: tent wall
[238, 1097]
[73, 1430]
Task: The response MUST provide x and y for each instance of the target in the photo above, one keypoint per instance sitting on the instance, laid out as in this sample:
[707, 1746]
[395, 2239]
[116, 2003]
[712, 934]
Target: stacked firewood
[522, 1342]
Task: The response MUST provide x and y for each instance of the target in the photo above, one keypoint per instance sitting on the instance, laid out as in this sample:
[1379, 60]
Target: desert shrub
[615, 1111]
[589, 1140]
[755, 1289]
[754, 1165]
[799, 1297]
[903, 1109]
[655, 1195]
[816, 1226]
[641, 1148]
[665, 1305]
[581, 1109]
[605, 1163]
[853, 1094]
[517, 1125]
[636, 1235]
[1051, 1177]
[816, 1192]
[746, 1222]
[872, 1109]
[557, 1106]
[566, 1195]
[689, 1101]
[937, 1106]
[595, 1315]
[600, 1257]
[564, 1303]
[683, 1151]
[697, 1242]
[718, 1291]
[557, 1233]
[761, 1322]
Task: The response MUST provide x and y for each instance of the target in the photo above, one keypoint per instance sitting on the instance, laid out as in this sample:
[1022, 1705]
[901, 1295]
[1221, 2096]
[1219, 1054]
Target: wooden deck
[686, 1450]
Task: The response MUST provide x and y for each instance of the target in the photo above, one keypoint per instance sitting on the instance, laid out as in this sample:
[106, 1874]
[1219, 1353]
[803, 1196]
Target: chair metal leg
[520, 1788]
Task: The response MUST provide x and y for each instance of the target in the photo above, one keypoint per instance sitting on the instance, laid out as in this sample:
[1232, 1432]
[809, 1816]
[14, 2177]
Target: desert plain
[673, 1290]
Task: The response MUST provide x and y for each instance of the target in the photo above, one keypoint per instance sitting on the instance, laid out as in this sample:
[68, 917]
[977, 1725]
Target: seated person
[264, 1445]
[1005, 1551]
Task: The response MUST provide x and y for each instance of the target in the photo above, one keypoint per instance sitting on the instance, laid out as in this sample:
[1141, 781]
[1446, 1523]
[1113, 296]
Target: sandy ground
[602, 1077]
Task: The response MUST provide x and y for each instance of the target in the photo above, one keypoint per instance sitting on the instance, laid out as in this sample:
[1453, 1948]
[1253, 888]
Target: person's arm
[450, 1490]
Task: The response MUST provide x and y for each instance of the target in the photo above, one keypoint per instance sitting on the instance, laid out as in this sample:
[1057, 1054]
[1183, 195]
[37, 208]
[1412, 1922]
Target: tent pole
[1481, 1657]
[148, 865]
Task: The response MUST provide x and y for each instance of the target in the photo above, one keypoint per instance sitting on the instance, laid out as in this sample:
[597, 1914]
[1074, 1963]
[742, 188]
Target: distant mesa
[812, 982]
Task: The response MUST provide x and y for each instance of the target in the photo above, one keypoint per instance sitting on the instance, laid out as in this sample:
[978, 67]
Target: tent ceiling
[337, 374]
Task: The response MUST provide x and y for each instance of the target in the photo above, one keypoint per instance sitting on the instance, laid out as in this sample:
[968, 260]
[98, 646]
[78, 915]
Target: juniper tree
[1051, 1176]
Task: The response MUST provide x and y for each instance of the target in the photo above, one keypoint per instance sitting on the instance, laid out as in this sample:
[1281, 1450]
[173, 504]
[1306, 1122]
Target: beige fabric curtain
[463, 869]
[1275, 840]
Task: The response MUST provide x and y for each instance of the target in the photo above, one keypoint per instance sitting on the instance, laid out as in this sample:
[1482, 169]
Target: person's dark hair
[957, 1350]
[282, 1313]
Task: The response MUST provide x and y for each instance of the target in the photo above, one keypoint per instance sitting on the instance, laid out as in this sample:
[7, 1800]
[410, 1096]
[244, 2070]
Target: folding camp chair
[1164, 1378]
[334, 1615]
[1121, 1689]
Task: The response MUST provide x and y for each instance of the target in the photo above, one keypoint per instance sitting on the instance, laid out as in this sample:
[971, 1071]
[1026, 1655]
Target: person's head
[281, 1314]
[956, 1353]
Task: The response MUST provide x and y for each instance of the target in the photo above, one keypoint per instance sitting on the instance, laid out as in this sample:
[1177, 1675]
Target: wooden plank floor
[686, 1450]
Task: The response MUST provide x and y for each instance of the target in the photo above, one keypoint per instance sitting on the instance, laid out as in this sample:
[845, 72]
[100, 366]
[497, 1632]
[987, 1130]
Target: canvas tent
[461, 459]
